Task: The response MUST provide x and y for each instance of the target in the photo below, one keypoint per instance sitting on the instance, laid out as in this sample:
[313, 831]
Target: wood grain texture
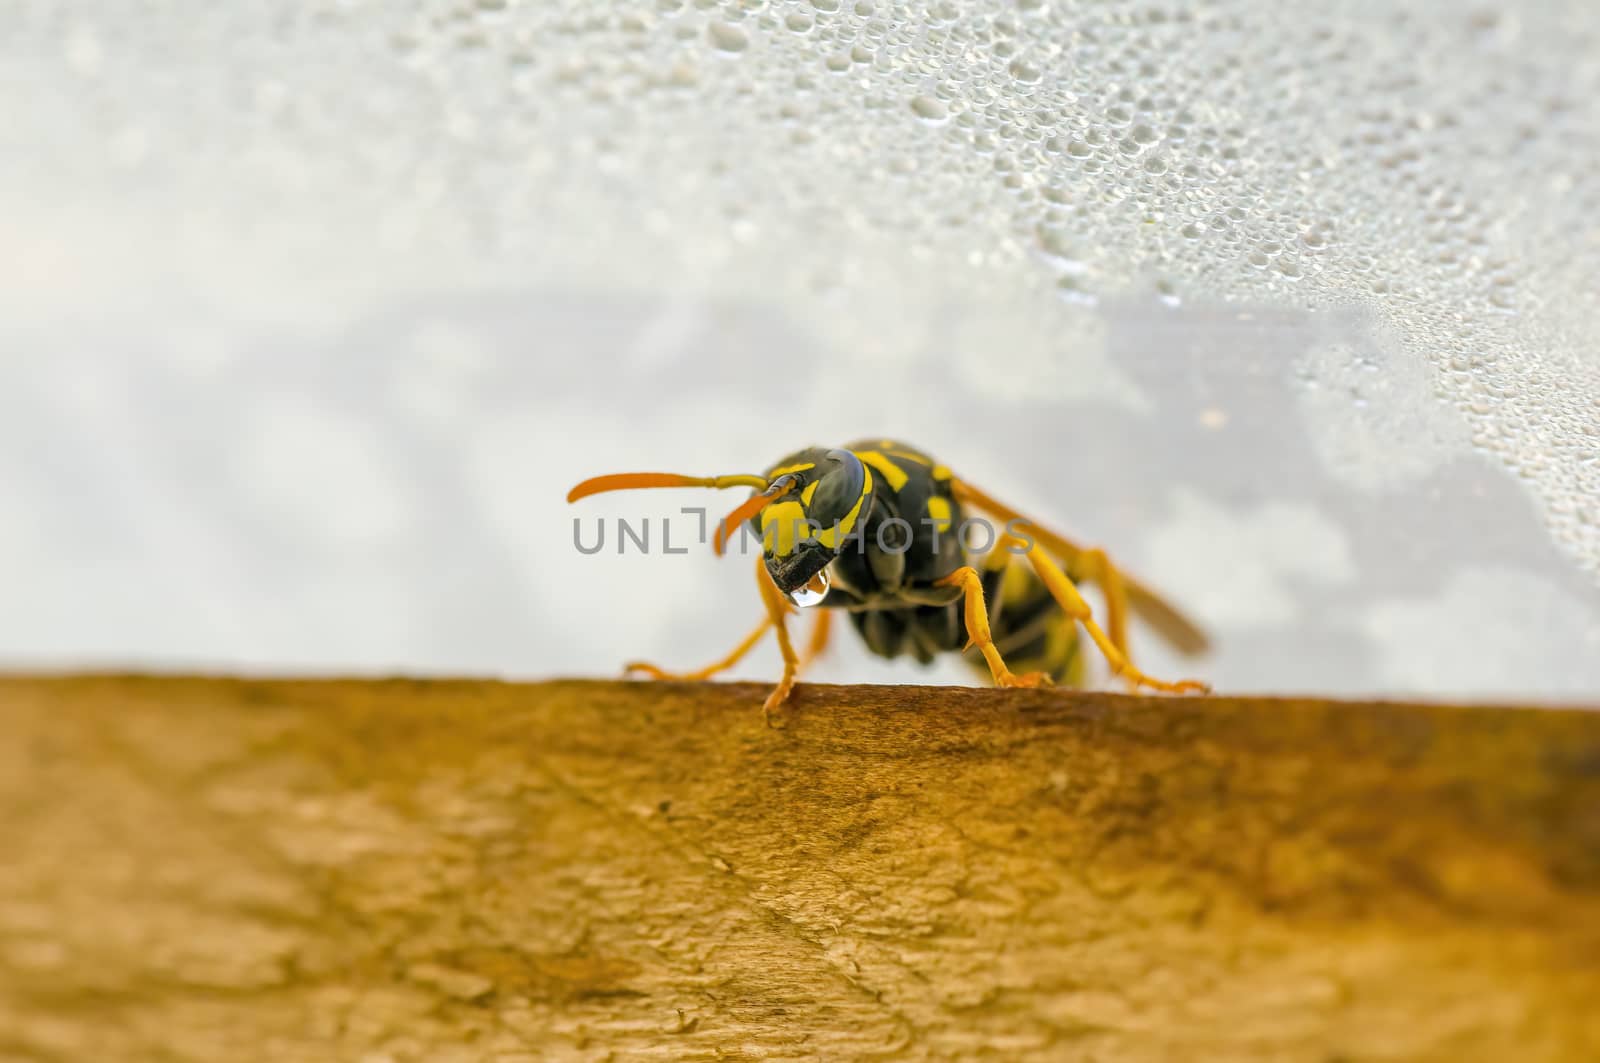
[199, 869]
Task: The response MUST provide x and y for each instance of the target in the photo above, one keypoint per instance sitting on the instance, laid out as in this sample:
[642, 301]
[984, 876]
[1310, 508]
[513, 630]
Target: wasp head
[829, 496]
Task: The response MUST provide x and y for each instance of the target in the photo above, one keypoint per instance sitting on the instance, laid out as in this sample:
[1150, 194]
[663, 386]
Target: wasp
[879, 530]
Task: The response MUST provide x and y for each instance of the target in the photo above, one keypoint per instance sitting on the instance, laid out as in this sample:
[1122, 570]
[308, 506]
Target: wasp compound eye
[840, 489]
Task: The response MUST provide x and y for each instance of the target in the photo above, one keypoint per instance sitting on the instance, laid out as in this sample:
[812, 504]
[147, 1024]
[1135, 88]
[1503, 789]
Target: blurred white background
[310, 317]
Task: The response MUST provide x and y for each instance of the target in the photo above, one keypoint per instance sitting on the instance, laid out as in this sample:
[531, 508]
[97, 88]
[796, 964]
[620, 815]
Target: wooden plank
[210, 869]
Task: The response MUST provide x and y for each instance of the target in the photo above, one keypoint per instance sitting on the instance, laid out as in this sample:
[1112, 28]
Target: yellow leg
[709, 670]
[1095, 567]
[977, 617]
[817, 645]
[1067, 596]
[1142, 600]
[778, 615]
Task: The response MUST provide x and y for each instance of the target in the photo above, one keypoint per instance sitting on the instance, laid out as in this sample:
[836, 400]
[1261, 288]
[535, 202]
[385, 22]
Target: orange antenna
[749, 508]
[627, 481]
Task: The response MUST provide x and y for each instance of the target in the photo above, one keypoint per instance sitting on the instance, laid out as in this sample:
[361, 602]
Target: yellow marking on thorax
[891, 472]
[901, 450]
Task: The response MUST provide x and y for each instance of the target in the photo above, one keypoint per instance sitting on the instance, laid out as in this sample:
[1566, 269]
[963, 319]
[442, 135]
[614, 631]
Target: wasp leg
[778, 616]
[709, 670]
[817, 645]
[1095, 567]
[1155, 610]
[1067, 596]
[977, 617]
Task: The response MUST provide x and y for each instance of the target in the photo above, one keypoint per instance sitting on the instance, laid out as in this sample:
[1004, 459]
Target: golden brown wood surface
[197, 869]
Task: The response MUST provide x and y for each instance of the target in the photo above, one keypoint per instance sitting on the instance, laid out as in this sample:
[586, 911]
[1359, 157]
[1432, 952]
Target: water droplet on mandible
[813, 592]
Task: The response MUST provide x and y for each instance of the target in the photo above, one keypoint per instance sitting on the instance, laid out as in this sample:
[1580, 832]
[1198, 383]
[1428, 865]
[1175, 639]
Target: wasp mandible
[873, 528]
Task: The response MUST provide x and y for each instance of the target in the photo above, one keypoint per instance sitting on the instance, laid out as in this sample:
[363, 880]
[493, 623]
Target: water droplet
[727, 37]
[929, 109]
[813, 592]
[1025, 71]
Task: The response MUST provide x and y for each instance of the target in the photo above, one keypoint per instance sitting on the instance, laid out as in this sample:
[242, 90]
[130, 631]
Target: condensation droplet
[727, 37]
